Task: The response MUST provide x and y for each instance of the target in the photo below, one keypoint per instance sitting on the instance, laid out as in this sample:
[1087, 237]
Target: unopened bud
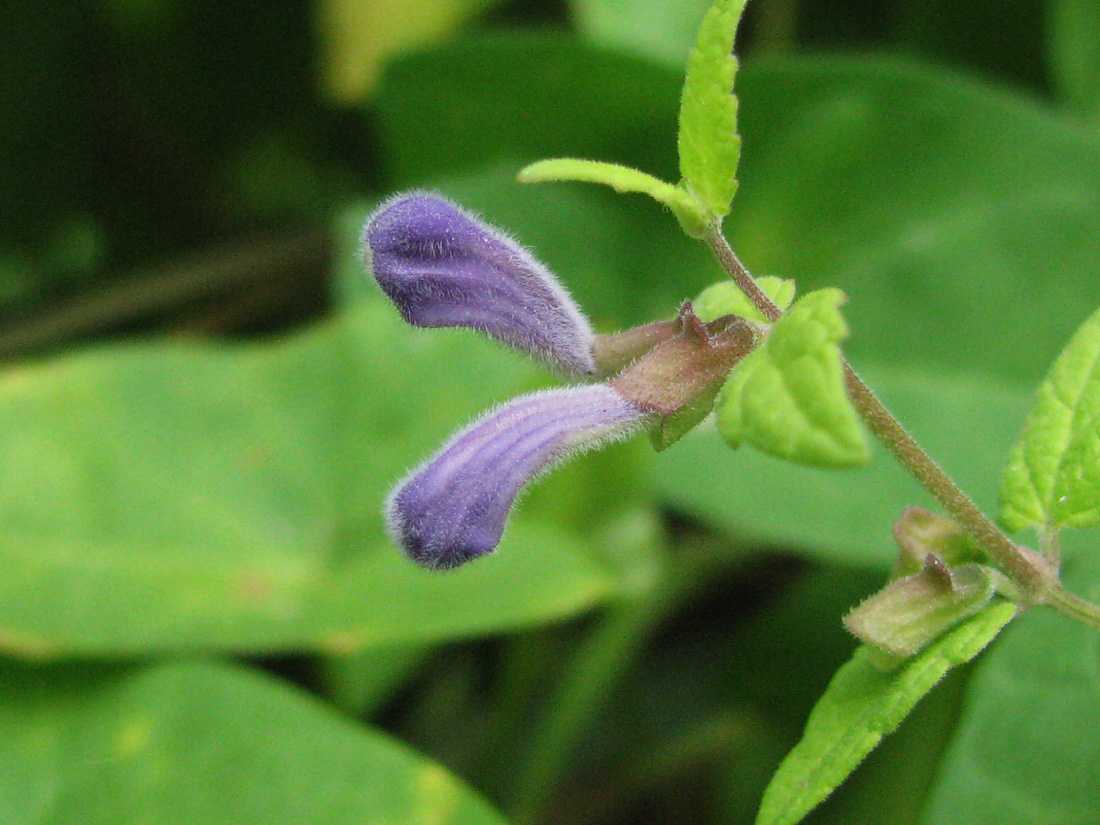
[910, 613]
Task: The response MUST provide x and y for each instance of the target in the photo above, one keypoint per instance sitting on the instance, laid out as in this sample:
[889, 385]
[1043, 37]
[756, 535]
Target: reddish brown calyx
[680, 369]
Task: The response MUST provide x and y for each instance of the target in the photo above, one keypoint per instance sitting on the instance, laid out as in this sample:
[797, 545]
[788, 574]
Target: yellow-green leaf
[788, 398]
[1053, 474]
[708, 142]
[726, 298]
[621, 179]
[861, 706]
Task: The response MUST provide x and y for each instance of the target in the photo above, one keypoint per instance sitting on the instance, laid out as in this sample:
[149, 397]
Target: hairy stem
[1074, 606]
[1034, 575]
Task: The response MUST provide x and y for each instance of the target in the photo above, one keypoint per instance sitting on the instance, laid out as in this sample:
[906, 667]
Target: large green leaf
[181, 496]
[708, 142]
[198, 743]
[958, 219]
[1026, 748]
[525, 97]
[656, 29]
[1053, 475]
[860, 706]
[788, 398]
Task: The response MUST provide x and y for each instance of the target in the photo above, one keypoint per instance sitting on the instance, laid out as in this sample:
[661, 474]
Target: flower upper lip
[443, 267]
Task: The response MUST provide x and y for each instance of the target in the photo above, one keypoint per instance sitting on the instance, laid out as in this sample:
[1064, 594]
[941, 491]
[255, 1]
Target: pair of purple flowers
[442, 267]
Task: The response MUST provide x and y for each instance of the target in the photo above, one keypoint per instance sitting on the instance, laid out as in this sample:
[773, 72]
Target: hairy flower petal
[443, 267]
[453, 507]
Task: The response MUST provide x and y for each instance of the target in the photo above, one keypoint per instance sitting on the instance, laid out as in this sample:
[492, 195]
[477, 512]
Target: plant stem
[1074, 606]
[212, 274]
[1034, 575]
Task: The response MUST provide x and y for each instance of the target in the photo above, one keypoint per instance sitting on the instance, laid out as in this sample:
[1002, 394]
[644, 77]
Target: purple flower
[443, 267]
[453, 508]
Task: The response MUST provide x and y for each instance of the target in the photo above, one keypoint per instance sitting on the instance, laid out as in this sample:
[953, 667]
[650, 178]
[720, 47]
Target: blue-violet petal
[443, 267]
[453, 508]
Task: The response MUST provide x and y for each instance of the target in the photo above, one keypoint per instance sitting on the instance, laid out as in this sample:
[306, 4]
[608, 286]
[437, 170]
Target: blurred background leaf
[358, 36]
[240, 491]
[196, 742]
[1074, 28]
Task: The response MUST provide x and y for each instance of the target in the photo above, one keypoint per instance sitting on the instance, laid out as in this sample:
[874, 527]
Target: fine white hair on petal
[454, 506]
[442, 265]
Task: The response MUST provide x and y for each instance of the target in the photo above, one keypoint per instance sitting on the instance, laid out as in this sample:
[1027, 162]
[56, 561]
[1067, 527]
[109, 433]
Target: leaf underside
[621, 179]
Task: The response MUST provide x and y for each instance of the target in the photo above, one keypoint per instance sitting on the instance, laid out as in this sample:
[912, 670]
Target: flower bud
[911, 612]
[453, 508]
[443, 267]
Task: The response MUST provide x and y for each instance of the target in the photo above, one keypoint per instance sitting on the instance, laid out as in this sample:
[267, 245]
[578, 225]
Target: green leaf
[194, 742]
[515, 96]
[1025, 749]
[726, 298]
[849, 523]
[1053, 474]
[788, 399]
[621, 179]
[239, 490]
[359, 683]
[708, 142]
[860, 707]
[1075, 54]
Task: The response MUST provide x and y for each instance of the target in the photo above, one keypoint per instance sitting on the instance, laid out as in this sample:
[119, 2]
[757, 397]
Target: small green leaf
[1053, 474]
[708, 142]
[621, 179]
[787, 398]
[860, 707]
[726, 298]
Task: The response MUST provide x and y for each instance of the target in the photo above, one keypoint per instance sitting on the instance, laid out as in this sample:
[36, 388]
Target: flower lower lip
[454, 507]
